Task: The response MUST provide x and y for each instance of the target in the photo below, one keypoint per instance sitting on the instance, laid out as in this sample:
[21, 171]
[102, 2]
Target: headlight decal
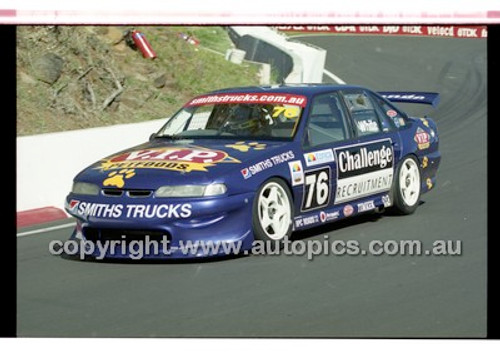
[191, 191]
[83, 188]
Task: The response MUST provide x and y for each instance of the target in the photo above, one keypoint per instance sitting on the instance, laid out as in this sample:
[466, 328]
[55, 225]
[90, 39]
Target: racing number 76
[316, 189]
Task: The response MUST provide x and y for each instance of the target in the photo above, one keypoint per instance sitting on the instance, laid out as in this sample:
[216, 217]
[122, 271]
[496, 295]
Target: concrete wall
[295, 62]
[47, 164]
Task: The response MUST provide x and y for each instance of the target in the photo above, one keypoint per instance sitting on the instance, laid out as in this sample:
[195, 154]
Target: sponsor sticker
[366, 206]
[348, 210]
[408, 97]
[425, 122]
[169, 158]
[364, 170]
[72, 205]
[391, 113]
[130, 211]
[324, 216]
[386, 200]
[308, 220]
[267, 163]
[319, 157]
[249, 98]
[296, 172]
[366, 126]
[245, 172]
[422, 138]
[245, 147]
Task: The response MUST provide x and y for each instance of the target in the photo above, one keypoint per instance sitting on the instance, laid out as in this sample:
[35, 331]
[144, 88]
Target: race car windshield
[242, 120]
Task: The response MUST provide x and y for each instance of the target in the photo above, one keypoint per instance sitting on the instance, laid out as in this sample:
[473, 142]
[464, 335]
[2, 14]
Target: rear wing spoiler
[415, 97]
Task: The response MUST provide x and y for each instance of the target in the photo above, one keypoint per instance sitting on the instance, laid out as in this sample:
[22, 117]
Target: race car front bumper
[162, 228]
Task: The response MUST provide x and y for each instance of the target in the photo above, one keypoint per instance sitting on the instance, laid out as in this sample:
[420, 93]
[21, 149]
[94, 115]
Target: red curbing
[40, 216]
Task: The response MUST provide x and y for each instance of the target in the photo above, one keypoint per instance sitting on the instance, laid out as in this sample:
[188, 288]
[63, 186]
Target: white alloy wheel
[409, 182]
[274, 210]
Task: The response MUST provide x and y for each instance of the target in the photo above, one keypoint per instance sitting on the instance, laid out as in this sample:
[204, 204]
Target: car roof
[308, 89]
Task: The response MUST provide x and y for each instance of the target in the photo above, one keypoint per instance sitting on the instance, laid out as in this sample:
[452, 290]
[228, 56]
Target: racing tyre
[273, 212]
[407, 187]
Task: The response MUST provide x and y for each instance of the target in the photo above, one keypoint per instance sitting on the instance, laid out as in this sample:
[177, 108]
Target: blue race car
[257, 163]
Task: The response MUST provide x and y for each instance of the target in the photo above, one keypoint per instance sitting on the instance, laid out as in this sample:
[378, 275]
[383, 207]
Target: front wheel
[407, 187]
[272, 211]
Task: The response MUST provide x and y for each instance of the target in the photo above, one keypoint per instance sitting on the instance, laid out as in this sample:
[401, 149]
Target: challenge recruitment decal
[364, 170]
[170, 158]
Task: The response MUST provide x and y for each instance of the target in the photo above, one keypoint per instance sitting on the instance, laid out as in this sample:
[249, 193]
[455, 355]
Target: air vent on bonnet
[135, 193]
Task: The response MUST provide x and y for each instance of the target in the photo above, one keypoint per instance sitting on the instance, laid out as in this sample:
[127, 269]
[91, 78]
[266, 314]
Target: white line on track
[333, 76]
[47, 229]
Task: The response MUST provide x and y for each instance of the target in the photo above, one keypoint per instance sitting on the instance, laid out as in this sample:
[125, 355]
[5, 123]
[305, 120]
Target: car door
[366, 165]
[328, 126]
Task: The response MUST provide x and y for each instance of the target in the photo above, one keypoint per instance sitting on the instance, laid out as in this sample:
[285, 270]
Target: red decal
[172, 154]
[249, 98]
[422, 138]
[391, 113]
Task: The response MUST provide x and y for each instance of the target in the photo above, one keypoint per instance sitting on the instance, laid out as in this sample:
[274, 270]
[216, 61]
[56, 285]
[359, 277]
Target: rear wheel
[272, 211]
[407, 186]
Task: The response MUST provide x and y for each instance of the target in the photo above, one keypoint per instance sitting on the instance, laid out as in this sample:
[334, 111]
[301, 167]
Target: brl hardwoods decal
[129, 211]
[364, 169]
[249, 98]
[169, 158]
[316, 189]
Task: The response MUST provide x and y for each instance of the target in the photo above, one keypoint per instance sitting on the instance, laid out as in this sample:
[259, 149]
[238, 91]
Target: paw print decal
[429, 183]
[117, 178]
[245, 147]
[425, 162]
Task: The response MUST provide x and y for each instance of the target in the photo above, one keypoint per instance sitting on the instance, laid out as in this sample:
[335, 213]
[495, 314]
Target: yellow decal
[425, 162]
[291, 112]
[116, 178]
[429, 183]
[180, 159]
[425, 122]
[245, 147]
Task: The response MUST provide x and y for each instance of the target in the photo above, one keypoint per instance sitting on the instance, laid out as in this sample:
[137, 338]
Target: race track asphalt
[289, 296]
